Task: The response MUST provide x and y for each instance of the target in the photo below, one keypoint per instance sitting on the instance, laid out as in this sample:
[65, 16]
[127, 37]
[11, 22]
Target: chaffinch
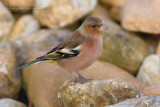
[80, 50]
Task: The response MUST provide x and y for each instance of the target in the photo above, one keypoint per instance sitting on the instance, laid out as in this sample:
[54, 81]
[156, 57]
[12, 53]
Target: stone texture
[43, 39]
[96, 93]
[19, 5]
[6, 102]
[9, 77]
[141, 16]
[116, 3]
[42, 81]
[153, 90]
[59, 13]
[150, 71]
[146, 101]
[122, 48]
[6, 21]
[25, 26]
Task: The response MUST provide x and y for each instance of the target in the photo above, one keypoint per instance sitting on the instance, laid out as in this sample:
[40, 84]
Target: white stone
[149, 72]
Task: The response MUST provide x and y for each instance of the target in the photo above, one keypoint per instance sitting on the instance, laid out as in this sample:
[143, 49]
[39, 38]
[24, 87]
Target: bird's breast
[90, 50]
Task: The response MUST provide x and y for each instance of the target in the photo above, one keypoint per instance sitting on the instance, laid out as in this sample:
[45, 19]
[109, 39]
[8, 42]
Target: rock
[153, 90]
[43, 39]
[146, 101]
[101, 12]
[59, 13]
[158, 49]
[18, 5]
[6, 102]
[114, 13]
[103, 70]
[152, 42]
[9, 78]
[42, 85]
[123, 49]
[150, 70]
[141, 16]
[25, 26]
[96, 93]
[6, 21]
[116, 3]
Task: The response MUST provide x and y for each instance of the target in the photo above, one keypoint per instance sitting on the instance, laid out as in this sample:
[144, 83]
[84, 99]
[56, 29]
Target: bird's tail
[39, 59]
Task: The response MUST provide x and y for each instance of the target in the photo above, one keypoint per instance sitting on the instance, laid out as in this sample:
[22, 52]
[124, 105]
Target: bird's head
[92, 26]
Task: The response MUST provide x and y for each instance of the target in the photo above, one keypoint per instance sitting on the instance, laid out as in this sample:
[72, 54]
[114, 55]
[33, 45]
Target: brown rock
[158, 49]
[114, 13]
[153, 90]
[6, 102]
[96, 93]
[6, 21]
[9, 77]
[122, 48]
[59, 13]
[25, 26]
[150, 71]
[42, 81]
[141, 16]
[19, 5]
[146, 101]
[116, 3]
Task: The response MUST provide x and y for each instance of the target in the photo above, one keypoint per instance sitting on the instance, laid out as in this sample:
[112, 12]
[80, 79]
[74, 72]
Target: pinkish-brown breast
[90, 50]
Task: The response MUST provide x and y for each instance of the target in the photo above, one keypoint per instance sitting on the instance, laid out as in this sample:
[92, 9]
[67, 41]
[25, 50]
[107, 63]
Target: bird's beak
[103, 27]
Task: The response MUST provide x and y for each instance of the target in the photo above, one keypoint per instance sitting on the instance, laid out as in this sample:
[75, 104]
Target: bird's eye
[93, 26]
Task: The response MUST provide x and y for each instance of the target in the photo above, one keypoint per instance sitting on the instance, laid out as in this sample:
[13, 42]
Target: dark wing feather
[66, 49]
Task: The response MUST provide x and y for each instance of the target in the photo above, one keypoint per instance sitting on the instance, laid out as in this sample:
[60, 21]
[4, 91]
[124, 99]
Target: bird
[79, 50]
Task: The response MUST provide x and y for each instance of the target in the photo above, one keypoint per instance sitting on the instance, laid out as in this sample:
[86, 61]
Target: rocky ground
[126, 74]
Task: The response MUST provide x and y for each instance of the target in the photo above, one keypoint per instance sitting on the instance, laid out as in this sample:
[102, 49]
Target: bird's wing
[68, 48]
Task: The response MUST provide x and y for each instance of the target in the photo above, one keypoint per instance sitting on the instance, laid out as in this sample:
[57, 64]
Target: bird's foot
[80, 79]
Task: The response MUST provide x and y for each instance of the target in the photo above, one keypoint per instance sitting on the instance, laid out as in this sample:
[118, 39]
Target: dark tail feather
[27, 64]
[42, 58]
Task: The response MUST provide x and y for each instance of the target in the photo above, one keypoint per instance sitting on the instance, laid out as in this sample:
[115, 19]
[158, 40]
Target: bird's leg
[81, 79]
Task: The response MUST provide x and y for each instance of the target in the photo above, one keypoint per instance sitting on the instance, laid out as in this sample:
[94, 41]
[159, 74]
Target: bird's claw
[80, 79]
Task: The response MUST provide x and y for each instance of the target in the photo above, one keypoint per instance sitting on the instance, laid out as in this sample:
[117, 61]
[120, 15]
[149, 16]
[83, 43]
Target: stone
[18, 5]
[116, 3]
[101, 12]
[10, 81]
[104, 70]
[150, 70]
[153, 90]
[141, 16]
[158, 49]
[59, 13]
[95, 93]
[152, 42]
[42, 81]
[146, 101]
[25, 26]
[43, 39]
[6, 102]
[6, 21]
[114, 13]
[122, 48]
